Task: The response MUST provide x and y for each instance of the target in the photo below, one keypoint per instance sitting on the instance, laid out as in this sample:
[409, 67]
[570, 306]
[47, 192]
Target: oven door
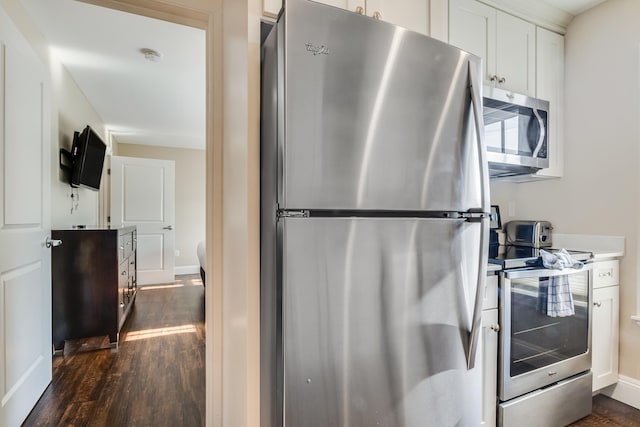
[537, 349]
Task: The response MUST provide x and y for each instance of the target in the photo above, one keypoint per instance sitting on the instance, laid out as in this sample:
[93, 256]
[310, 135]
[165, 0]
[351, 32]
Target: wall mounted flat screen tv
[88, 153]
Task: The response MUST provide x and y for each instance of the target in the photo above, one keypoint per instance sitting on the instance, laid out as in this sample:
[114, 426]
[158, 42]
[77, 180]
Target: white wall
[190, 194]
[600, 192]
[72, 113]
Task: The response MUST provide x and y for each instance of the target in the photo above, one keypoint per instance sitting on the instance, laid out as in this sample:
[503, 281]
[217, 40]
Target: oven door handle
[475, 89]
[545, 272]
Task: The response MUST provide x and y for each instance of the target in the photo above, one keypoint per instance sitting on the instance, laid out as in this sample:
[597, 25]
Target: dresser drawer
[123, 274]
[606, 273]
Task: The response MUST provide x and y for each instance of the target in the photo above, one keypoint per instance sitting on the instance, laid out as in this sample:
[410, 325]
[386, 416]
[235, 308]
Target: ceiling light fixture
[151, 55]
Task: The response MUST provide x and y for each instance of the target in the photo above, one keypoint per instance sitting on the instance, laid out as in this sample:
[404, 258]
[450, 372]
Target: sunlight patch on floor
[151, 288]
[160, 332]
[190, 282]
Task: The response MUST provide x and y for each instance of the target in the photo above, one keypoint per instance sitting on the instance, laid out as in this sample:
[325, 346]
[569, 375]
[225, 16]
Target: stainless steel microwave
[515, 132]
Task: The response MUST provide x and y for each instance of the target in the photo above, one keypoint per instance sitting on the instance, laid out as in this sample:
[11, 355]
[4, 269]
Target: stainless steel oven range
[544, 376]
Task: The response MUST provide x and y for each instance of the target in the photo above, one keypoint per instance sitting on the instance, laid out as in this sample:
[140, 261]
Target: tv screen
[88, 153]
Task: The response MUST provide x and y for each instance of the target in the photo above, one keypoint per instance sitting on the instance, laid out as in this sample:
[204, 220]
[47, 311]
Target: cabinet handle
[360, 10]
[493, 78]
[608, 273]
[52, 243]
[376, 15]
[495, 328]
[502, 80]
[122, 247]
[597, 303]
[124, 273]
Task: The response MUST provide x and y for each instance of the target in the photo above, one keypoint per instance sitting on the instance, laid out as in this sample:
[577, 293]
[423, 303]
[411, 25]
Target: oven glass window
[543, 330]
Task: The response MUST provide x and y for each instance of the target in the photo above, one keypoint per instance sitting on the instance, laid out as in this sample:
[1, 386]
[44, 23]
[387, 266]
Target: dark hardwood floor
[610, 412]
[155, 378]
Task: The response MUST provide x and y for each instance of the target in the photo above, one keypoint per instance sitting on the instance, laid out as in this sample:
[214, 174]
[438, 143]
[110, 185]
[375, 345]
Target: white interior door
[25, 262]
[143, 194]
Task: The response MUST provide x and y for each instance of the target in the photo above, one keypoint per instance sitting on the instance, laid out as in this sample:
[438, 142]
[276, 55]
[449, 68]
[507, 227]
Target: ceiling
[142, 102]
[574, 7]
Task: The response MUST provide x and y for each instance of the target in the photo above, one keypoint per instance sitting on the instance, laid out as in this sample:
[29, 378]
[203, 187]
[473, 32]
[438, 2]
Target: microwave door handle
[543, 133]
[476, 322]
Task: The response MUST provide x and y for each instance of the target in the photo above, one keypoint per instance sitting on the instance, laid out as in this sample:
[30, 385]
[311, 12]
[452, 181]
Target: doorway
[232, 158]
[232, 191]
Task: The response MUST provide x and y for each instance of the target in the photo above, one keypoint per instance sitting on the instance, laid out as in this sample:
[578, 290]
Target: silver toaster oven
[535, 234]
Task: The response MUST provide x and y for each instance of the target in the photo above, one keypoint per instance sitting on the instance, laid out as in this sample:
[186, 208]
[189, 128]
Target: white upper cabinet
[270, 8]
[516, 54]
[472, 27]
[351, 5]
[506, 44]
[411, 14]
[550, 87]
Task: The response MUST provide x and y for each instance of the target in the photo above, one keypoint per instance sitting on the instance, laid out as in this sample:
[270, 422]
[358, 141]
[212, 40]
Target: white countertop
[493, 267]
[602, 247]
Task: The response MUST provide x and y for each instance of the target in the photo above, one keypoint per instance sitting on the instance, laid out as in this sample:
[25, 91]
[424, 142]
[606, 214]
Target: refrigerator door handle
[475, 89]
[476, 325]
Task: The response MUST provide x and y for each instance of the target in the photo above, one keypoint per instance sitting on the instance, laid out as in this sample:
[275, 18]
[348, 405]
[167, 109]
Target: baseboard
[626, 390]
[186, 269]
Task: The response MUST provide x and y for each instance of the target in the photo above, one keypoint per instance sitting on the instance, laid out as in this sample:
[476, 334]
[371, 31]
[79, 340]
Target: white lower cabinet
[605, 323]
[604, 341]
[489, 351]
[490, 330]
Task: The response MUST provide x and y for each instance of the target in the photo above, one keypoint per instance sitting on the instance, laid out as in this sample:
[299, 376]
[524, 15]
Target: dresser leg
[113, 340]
[58, 348]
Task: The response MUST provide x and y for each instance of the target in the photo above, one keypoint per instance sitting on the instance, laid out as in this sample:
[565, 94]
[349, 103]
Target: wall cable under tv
[85, 161]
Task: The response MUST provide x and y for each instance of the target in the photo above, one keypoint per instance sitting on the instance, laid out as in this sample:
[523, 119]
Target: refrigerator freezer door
[376, 319]
[374, 116]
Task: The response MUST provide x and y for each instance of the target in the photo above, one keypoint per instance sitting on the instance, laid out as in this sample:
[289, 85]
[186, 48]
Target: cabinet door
[472, 27]
[550, 87]
[604, 342]
[410, 14]
[271, 8]
[516, 54]
[351, 5]
[489, 366]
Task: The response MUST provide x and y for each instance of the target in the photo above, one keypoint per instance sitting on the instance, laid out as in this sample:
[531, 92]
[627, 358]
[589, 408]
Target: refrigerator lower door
[376, 316]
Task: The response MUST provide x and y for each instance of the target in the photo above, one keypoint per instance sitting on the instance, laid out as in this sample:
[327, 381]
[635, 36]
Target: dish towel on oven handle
[554, 293]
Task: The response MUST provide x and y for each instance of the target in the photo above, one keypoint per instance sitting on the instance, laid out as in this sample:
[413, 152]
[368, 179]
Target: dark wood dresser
[94, 285]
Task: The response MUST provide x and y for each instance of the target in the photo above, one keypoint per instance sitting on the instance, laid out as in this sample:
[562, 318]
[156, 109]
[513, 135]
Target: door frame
[232, 305]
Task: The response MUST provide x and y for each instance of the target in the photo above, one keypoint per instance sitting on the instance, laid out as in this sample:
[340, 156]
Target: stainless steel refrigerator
[374, 206]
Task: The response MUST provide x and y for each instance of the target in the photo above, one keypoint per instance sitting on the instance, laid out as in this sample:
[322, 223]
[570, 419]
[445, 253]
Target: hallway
[155, 378]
